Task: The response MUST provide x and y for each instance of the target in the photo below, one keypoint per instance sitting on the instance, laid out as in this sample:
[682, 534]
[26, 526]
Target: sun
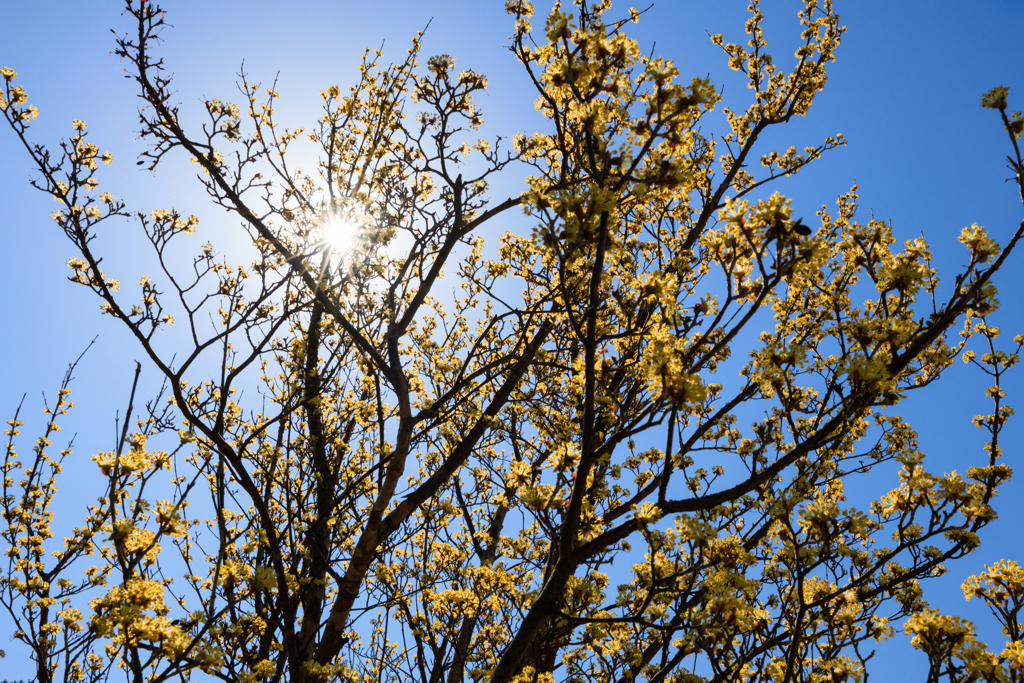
[341, 224]
[339, 235]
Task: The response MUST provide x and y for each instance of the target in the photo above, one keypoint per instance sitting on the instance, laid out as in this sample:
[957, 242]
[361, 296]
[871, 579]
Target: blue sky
[905, 92]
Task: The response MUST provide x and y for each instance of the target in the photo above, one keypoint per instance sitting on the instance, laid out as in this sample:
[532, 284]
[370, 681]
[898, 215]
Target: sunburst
[339, 235]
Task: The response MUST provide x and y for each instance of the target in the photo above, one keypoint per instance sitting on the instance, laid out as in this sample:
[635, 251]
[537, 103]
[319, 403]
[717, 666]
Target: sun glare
[339, 235]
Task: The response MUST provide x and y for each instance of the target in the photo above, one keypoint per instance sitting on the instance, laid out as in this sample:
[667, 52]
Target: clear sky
[905, 92]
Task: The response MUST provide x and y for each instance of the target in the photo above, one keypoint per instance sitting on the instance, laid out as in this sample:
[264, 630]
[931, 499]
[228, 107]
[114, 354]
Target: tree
[437, 489]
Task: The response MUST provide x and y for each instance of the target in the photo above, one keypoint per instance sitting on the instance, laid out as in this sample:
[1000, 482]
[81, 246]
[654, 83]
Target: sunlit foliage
[617, 453]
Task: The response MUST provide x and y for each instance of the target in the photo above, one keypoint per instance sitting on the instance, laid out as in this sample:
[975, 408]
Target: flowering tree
[436, 489]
